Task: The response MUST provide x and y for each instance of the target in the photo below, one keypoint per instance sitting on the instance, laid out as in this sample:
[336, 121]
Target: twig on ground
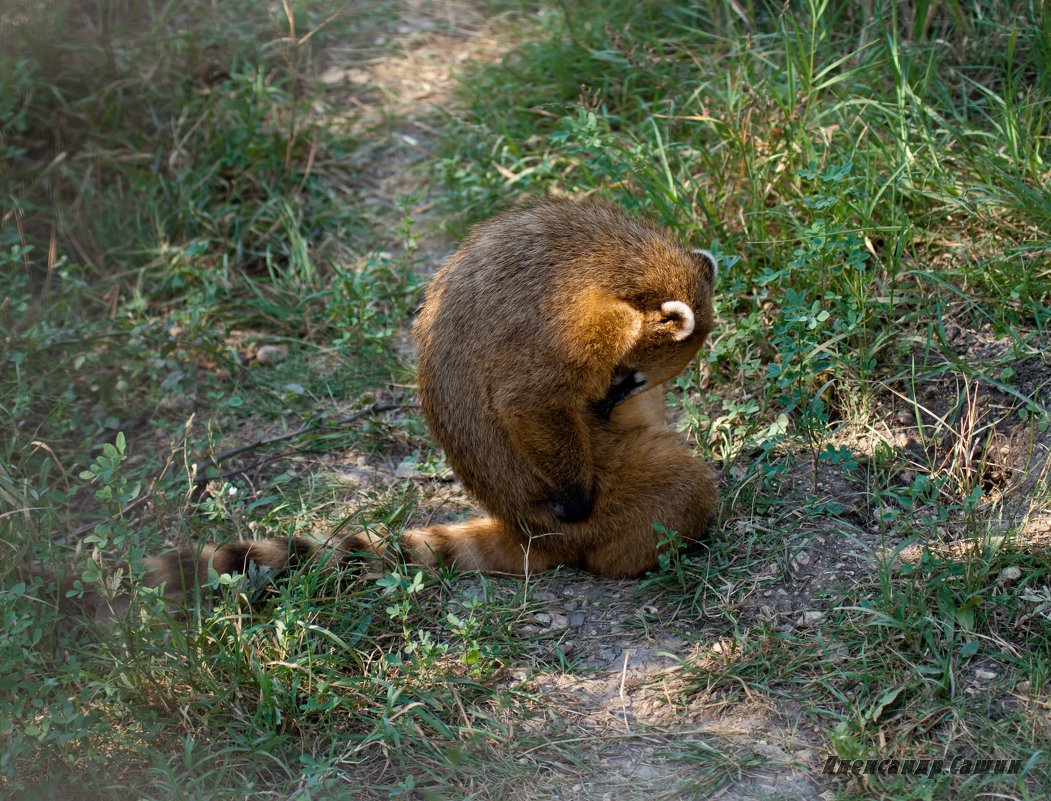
[623, 697]
[200, 477]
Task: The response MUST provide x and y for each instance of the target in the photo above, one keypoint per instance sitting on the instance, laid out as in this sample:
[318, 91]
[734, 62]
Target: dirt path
[613, 728]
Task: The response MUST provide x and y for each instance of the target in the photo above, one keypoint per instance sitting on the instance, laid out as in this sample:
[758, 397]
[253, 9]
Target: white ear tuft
[676, 308]
[711, 260]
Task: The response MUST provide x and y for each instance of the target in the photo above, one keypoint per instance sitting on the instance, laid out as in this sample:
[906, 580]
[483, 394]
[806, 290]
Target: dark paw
[573, 504]
[621, 389]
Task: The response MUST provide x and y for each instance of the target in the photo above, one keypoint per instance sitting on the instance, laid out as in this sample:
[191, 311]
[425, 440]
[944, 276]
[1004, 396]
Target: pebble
[551, 620]
[407, 469]
[838, 651]
[1009, 574]
[984, 675]
[811, 618]
[269, 354]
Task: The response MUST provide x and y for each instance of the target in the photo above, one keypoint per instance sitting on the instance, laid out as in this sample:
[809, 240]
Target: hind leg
[652, 480]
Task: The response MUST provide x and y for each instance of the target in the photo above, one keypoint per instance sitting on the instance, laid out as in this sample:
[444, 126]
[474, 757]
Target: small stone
[984, 675]
[269, 354]
[800, 560]
[772, 752]
[559, 621]
[1009, 574]
[543, 618]
[811, 618]
[332, 76]
[576, 619]
[838, 651]
[406, 469]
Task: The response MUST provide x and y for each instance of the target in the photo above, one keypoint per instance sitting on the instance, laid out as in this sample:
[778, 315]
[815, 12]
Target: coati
[543, 344]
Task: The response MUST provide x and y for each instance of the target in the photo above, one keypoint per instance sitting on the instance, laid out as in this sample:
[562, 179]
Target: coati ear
[677, 317]
[707, 262]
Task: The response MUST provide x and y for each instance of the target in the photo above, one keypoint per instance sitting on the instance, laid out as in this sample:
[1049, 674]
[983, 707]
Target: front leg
[622, 388]
[555, 442]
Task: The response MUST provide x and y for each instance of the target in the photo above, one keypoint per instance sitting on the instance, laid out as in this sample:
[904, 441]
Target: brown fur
[521, 336]
[530, 338]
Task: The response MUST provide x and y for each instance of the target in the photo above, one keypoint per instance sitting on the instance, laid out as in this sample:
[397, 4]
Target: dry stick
[199, 480]
[623, 698]
[313, 425]
[248, 468]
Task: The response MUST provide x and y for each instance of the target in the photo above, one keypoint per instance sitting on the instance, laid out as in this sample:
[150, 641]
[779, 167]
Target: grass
[191, 259]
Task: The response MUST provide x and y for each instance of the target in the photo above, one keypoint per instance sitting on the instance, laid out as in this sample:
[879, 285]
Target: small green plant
[116, 491]
[471, 634]
[800, 373]
[402, 590]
